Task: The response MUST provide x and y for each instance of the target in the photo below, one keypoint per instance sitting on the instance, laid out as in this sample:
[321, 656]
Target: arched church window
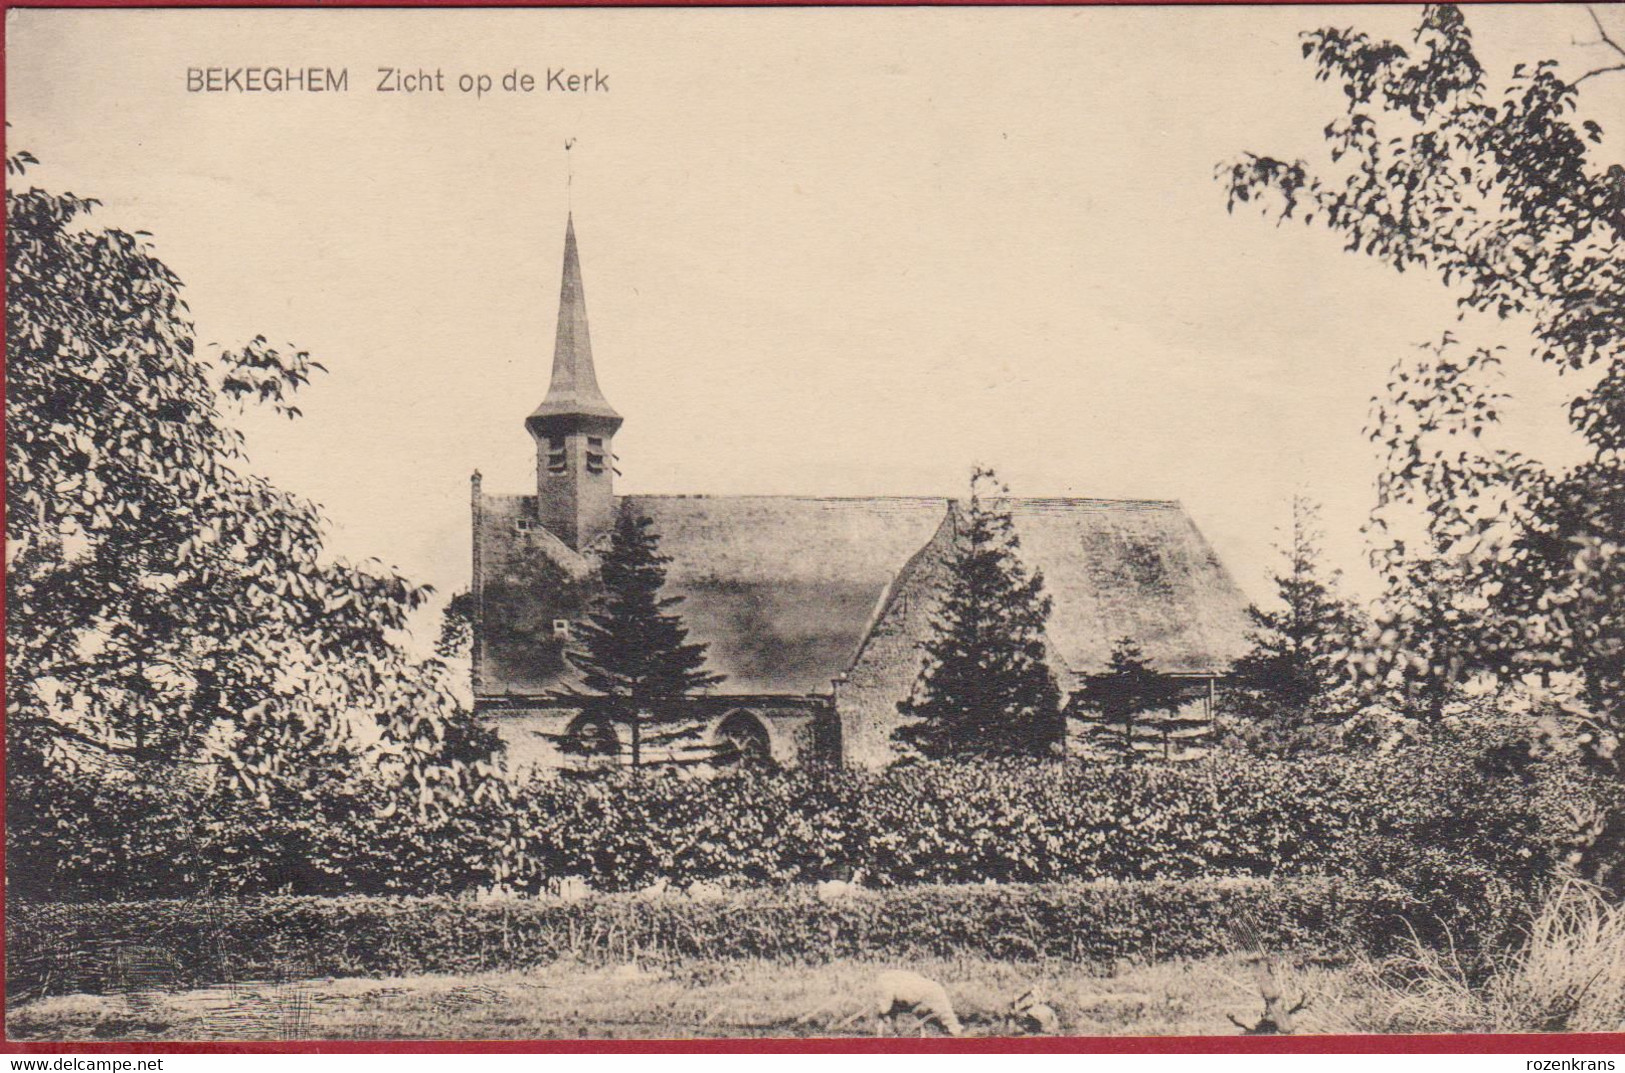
[592, 737]
[742, 739]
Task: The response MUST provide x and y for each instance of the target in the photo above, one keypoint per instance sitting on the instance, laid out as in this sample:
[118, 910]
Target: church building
[813, 607]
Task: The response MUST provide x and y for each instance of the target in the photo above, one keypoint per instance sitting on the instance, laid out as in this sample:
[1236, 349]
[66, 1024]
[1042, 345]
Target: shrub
[1433, 817]
[58, 948]
[1447, 823]
[149, 832]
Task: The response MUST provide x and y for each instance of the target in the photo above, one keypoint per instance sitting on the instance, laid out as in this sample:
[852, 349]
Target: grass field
[733, 999]
[1567, 974]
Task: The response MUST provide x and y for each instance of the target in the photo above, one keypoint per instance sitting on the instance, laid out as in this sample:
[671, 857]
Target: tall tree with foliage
[164, 605]
[637, 666]
[1498, 193]
[1453, 504]
[1131, 710]
[1295, 681]
[985, 688]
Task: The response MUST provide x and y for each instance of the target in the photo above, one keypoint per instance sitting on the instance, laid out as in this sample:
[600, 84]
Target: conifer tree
[636, 662]
[1288, 689]
[1131, 708]
[985, 688]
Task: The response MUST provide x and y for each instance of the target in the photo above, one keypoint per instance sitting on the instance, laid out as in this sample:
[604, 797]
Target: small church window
[561, 629]
[595, 441]
[523, 525]
[595, 462]
[592, 738]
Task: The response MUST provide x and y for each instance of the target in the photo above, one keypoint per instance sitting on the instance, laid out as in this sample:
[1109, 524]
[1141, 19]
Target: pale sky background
[842, 252]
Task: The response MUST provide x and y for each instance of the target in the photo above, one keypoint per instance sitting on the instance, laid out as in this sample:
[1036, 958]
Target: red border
[408, 4]
[1547, 1043]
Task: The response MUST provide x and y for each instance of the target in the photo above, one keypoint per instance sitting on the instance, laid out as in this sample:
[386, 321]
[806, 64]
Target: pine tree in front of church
[1131, 709]
[1288, 693]
[985, 688]
[636, 662]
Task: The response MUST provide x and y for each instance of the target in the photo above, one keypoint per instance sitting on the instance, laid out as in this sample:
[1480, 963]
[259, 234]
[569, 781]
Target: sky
[826, 252]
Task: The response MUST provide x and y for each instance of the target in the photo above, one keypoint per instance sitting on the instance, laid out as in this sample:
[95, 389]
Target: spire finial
[569, 176]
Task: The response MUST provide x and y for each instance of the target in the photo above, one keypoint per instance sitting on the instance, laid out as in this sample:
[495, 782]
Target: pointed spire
[573, 390]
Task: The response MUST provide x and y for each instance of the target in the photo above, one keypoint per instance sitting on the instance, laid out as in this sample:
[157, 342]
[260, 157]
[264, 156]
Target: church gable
[888, 659]
[1132, 568]
[528, 588]
[1112, 568]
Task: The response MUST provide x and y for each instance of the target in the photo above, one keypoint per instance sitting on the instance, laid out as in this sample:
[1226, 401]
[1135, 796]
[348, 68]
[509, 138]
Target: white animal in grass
[831, 890]
[655, 891]
[899, 991]
[702, 891]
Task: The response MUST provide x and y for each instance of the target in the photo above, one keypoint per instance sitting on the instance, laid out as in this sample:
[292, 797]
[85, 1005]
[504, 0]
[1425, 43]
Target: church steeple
[574, 425]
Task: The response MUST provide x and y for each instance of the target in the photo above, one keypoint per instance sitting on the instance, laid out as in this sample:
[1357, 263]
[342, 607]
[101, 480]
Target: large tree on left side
[164, 604]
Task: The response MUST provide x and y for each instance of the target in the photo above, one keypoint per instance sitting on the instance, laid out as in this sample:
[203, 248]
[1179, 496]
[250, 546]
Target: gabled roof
[1132, 568]
[784, 589]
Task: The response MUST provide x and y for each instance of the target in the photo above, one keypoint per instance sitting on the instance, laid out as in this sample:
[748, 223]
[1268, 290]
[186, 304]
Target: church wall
[797, 733]
[526, 750]
[791, 732]
[528, 583]
[886, 668]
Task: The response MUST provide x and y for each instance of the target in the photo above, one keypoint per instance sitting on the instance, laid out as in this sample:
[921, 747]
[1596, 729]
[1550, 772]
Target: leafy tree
[1498, 194]
[164, 605]
[985, 687]
[1294, 683]
[1131, 708]
[637, 666]
[456, 627]
[1452, 504]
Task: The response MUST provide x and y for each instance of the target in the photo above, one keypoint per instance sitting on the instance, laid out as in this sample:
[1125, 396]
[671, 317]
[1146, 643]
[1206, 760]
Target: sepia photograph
[815, 523]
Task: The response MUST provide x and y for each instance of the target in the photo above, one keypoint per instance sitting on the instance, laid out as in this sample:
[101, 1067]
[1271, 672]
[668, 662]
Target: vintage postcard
[702, 524]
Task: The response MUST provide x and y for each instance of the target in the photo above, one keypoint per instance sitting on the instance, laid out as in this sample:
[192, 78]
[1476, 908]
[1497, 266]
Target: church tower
[574, 426]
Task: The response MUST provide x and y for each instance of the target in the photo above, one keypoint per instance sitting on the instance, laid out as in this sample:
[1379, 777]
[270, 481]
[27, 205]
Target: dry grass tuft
[1568, 976]
[1571, 976]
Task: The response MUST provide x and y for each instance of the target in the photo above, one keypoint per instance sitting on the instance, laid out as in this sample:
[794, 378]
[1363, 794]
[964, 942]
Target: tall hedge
[108, 946]
[1433, 819]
